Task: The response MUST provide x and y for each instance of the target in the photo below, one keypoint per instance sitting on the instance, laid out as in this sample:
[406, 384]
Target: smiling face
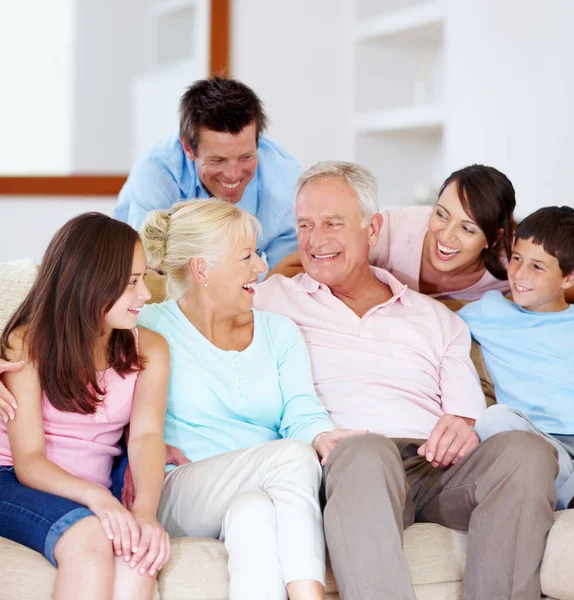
[333, 241]
[454, 241]
[535, 278]
[124, 313]
[225, 162]
[231, 281]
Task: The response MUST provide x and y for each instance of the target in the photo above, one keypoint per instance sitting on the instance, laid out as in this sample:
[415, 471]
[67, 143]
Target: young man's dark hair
[219, 104]
[552, 228]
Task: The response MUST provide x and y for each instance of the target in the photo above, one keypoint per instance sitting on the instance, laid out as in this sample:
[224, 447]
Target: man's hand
[451, 440]
[324, 443]
[288, 266]
[174, 456]
[8, 404]
[128, 491]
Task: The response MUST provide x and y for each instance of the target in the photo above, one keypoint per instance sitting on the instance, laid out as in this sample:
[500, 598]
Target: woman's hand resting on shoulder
[323, 443]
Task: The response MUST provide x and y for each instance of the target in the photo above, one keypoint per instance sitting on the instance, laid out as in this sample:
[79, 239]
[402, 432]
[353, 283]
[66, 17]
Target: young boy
[527, 344]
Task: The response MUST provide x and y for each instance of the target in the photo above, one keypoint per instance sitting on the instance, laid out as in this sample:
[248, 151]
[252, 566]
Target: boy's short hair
[552, 228]
[220, 104]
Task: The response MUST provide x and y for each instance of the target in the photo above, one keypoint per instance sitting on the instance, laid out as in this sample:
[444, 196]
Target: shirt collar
[200, 191]
[399, 290]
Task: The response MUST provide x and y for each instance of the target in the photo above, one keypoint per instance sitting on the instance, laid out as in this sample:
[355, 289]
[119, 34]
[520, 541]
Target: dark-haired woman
[87, 374]
[460, 247]
[457, 249]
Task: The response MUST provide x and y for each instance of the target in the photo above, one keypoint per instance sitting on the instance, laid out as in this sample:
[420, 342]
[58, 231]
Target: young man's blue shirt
[165, 175]
[529, 357]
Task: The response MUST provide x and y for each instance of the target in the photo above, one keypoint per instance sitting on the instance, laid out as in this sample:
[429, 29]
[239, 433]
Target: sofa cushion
[197, 569]
[435, 554]
[16, 279]
[27, 575]
[558, 564]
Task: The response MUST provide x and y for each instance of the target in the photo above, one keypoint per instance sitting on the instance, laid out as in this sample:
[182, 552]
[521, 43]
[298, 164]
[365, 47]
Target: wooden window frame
[110, 185]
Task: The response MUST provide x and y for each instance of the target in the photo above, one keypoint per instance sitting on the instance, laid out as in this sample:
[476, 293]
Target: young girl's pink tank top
[85, 445]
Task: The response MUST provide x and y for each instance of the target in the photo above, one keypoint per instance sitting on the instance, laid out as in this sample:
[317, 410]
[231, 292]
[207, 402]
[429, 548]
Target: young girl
[87, 374]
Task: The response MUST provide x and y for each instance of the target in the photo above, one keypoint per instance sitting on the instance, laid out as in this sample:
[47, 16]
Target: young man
[395, 362]
[220, 151]
[527, 344]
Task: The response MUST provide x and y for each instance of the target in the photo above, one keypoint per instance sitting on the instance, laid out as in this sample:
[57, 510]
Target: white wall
[66, 68]
[155, 94]
[28, 224]
[510, 94]
[295, 55]
[111, 42]
[36, 57]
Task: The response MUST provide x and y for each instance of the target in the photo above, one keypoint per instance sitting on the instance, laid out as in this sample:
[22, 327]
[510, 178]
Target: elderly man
[220, 151]
[395, 362]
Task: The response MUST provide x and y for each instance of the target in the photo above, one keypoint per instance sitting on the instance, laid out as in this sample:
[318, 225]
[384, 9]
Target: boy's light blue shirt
[220, 400]
[528, 355]
[165, 175]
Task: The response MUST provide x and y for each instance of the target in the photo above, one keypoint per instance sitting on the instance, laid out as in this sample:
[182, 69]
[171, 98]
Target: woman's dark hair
[85, 270]
[219, 104]
[552, 228]
[488, 197]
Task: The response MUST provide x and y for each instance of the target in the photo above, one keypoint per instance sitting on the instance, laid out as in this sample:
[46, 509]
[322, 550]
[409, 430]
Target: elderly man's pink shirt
[394, 371]
[400, 248]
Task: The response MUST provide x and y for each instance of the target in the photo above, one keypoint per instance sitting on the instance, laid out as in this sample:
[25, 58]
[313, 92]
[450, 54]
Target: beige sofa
[197, 569]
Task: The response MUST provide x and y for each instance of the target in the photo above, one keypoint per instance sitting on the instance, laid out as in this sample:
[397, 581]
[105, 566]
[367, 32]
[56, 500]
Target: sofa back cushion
[17, 278]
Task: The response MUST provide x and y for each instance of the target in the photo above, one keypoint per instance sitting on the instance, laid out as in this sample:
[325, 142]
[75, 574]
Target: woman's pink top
[400, 247]
[85, 445]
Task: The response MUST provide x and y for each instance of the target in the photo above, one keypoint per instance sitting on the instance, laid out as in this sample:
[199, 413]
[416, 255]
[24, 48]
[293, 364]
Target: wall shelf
[423, 119]
[163, 8]
[398, 117]
[422, 23]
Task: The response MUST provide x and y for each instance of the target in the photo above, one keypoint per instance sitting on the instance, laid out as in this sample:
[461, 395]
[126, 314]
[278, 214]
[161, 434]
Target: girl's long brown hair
[85, 270]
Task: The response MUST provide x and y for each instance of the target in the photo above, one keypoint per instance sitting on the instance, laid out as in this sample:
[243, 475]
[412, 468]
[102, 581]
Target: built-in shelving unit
[178, 33]
[424, 119]
[398, 119]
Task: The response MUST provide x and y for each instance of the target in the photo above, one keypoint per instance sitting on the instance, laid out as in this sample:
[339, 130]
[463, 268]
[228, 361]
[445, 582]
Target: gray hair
[359, 179]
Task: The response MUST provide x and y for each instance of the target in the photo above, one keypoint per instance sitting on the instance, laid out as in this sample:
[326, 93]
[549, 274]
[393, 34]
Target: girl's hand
[324, 443]
[117, 522]
[154, 547]
[8, 403]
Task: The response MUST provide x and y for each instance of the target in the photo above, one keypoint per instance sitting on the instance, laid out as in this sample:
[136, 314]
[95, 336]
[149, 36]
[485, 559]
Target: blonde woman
[241, 406]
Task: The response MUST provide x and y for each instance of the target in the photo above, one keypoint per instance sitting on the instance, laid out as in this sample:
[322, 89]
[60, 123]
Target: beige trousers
[263, 503]
[502, 494]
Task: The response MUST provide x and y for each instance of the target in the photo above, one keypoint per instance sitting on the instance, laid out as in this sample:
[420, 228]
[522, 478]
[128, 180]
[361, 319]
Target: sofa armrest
[558, 563]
